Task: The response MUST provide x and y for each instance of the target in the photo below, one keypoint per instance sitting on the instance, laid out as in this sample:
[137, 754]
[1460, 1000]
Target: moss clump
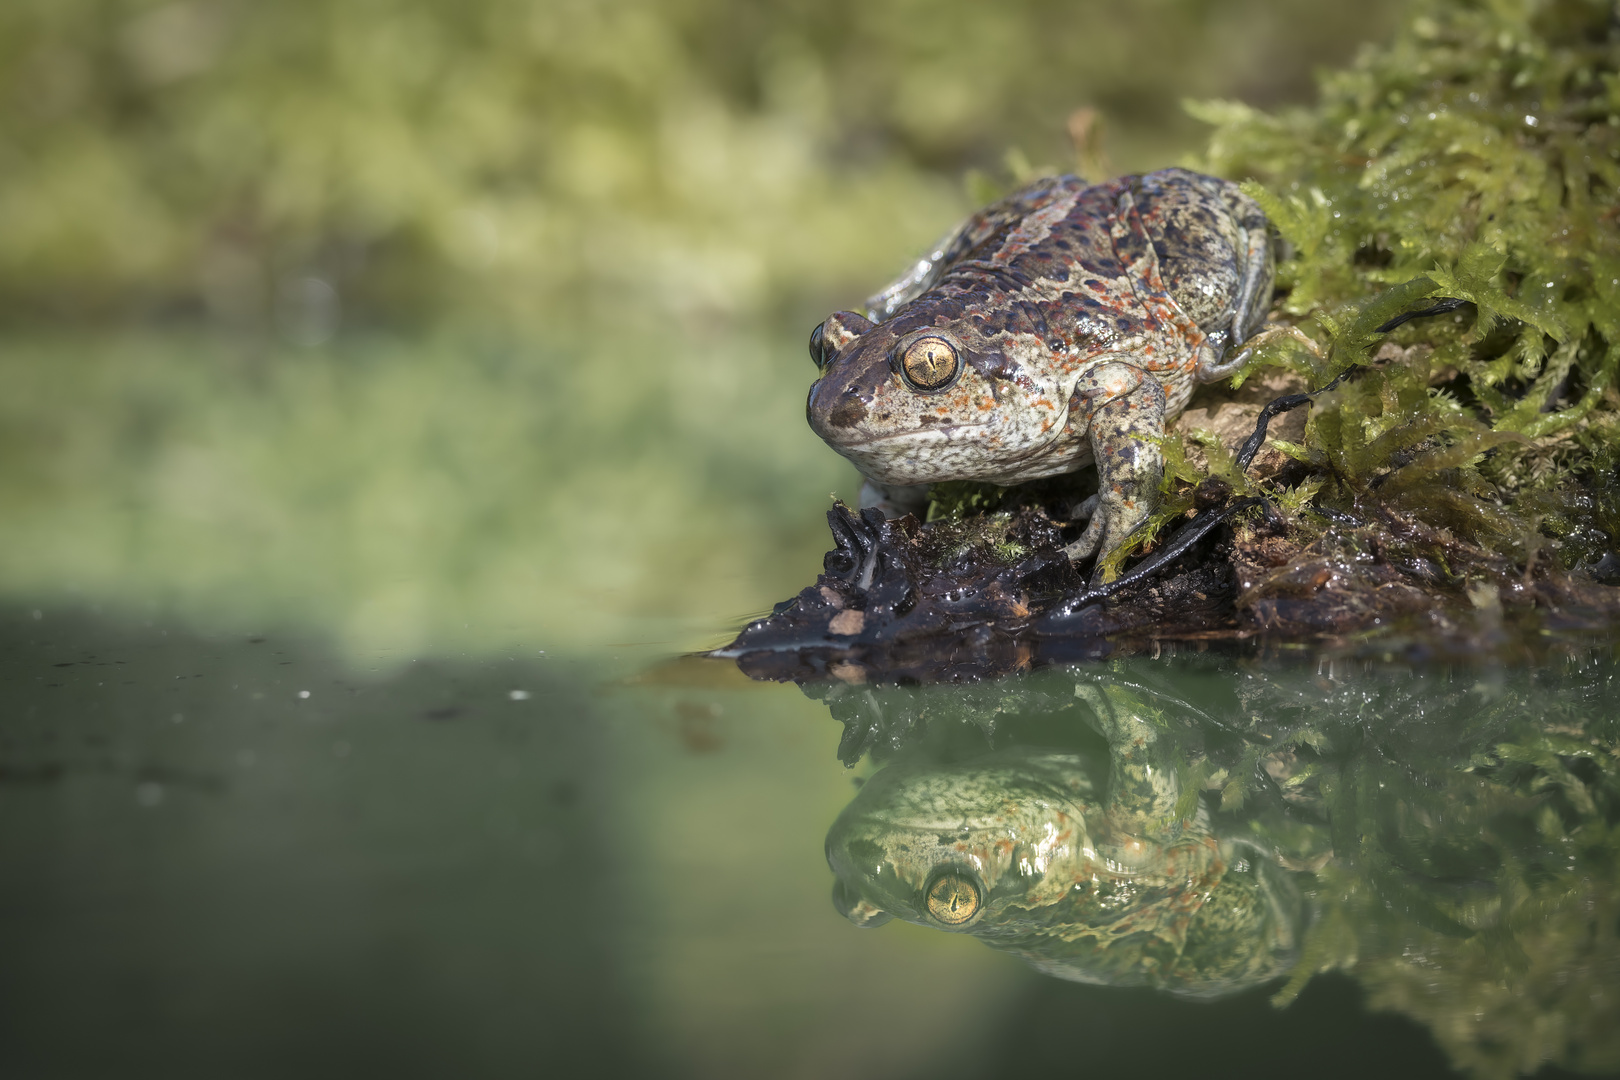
[1476, 158]
[958, 499]
[990, 538]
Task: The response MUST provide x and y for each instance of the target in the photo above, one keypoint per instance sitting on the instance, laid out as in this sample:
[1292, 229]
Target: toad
[1058, 328]
[1091, 868]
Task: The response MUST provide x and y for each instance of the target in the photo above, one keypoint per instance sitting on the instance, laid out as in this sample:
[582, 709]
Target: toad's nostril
[848, 414]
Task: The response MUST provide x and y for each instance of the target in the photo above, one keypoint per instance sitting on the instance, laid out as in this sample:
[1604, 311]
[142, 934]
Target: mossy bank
[1448, 214]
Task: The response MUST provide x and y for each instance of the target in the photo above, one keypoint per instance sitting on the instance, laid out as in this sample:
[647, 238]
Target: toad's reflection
[1096, 866]
[1448, 838]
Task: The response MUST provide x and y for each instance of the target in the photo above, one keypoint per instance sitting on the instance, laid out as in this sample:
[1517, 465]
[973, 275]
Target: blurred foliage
[1475, 158]
[410, 496]
[565, 157]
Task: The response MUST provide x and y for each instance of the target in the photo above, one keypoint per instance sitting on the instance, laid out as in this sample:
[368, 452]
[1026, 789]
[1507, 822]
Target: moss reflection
[1447, 837]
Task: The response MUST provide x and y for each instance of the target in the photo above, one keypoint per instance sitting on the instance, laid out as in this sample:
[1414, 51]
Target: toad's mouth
[934, 433]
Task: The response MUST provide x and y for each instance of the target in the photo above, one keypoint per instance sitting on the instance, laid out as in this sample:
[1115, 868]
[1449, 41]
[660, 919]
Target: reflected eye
[818, 347]
[930, 363]
[953, 898]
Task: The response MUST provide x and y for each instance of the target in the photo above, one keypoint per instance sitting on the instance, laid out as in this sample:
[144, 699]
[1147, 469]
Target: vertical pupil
[930, 363]
[953, 900]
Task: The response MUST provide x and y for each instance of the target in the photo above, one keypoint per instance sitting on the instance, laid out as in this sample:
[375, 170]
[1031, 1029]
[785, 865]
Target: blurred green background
[429, 325]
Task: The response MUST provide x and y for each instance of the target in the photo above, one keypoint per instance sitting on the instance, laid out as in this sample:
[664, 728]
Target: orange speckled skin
[1082, 315]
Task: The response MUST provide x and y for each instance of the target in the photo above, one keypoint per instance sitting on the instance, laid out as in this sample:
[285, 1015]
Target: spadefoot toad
[1060, 327]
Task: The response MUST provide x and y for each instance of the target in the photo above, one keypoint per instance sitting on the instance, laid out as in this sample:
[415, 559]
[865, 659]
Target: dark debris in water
[901, 601]
[959, 601]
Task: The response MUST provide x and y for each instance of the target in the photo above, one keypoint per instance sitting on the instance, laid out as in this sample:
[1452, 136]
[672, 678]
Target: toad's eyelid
[818, 347]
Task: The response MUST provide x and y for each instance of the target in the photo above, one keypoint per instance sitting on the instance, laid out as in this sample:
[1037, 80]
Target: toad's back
[1150, 265]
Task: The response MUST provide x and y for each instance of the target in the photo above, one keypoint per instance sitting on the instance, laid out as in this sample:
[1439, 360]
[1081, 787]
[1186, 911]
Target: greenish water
[341, 734]
[248, 855]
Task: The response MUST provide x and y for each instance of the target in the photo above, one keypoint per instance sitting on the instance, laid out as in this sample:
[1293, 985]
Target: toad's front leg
[1122, 410]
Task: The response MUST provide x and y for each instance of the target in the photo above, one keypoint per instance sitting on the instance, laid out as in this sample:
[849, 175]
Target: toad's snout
[849, 411]
[834, 408]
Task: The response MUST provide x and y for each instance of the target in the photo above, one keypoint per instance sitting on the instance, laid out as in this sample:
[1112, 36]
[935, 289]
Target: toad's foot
[1123, 409]
[1143, 782]
[895, 500]
[1084, 509]
[1212, 368]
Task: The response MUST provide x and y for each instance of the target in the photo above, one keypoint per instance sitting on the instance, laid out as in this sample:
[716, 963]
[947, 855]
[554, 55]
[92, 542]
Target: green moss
[1477, 158]
[957, 499]
[987, 537]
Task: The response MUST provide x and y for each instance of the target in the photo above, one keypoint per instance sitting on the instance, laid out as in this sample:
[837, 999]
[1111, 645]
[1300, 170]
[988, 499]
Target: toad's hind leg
[1253, 298]
[1123, 410]
[1259, 268]
[1209, 371]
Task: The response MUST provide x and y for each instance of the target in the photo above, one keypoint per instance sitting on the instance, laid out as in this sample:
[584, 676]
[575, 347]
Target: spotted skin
[1084, 867]
[1083, 316]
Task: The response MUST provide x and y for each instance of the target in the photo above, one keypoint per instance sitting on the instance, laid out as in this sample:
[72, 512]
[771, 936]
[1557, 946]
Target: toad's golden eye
[930, 363]
[953, 898]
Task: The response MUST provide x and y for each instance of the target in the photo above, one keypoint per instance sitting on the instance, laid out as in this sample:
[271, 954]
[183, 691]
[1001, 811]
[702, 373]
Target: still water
[236, 855]
[345, 730]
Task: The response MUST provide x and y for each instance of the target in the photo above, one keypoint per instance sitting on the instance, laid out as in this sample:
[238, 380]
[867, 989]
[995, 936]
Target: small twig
[1251, 446]
[1449, 304]
[1177, 546]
